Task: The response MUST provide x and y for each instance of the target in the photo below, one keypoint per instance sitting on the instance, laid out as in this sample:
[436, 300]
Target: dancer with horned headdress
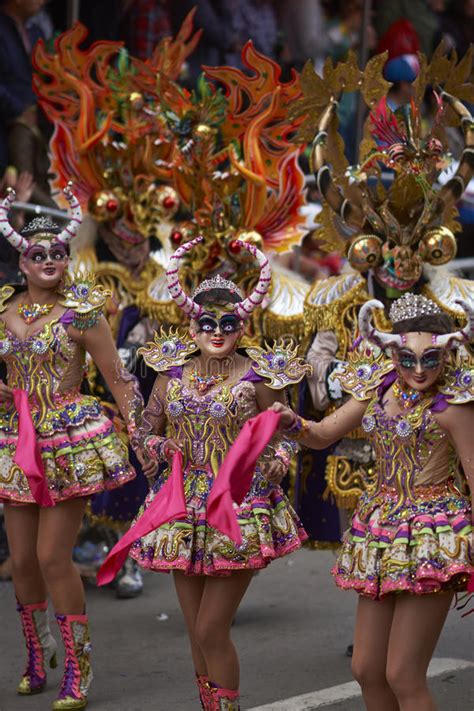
[205, 393]
[56, 445]
[409, 546]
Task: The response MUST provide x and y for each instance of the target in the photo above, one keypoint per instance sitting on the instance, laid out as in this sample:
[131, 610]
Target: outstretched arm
[99, 343]
[458, 421]
[319, 435]
[277, 455]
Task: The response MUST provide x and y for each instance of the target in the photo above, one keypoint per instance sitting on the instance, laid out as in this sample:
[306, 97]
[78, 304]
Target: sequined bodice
[410, 449]
[208, 424]
[44, 364]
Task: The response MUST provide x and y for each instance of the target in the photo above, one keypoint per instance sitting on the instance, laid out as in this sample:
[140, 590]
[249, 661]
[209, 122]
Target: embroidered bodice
[44, 364]
[208, 424]
[410, 449]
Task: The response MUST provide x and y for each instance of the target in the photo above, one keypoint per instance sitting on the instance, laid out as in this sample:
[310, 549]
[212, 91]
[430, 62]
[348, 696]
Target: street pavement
[291, 631]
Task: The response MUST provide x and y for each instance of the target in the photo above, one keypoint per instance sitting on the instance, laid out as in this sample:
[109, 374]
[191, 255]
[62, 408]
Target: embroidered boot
[204, 692]
[40, 645]
[224, 699]
[77, 667]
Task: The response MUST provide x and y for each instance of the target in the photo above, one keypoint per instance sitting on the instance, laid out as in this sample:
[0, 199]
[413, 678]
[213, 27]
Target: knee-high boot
[77, 667]
[40, 646]
[204, 692]
[224, 699]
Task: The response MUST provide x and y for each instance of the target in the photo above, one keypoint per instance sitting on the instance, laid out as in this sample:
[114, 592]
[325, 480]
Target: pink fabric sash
[232, 484]
[470, 584]
[28, 454]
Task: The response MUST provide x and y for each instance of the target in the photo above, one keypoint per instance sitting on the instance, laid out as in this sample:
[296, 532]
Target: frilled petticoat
[269, 526]
[80, 449]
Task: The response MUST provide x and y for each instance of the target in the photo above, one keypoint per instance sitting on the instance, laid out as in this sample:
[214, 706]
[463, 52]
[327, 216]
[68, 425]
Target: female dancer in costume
[203, 401]
[408, 547]
[56, 446]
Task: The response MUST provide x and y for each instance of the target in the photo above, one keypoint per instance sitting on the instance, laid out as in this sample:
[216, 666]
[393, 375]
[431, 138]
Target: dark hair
[217, 296]
[435, 323]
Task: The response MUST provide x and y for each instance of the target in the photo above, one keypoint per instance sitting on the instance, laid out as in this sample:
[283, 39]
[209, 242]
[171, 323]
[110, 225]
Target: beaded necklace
[32, 312]
[203, 383]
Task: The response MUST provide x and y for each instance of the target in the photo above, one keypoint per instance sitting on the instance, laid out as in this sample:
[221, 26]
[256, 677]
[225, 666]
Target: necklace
[203, 383]
[407, 397]
[32, 312]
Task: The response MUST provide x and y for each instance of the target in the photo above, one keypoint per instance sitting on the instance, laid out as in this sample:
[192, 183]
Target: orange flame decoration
[253, 150]
[105, 107]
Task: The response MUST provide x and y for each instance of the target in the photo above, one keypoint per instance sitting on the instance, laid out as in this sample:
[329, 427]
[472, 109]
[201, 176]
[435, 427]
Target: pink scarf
[28, 454]
[232, 484]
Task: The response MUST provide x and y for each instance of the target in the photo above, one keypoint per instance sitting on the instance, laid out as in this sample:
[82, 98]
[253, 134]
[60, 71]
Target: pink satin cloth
[28, 454]
[470, 584]
[231, 485]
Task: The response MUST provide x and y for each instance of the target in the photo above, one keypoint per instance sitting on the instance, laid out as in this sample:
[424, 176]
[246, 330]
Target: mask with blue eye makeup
[227, 324]
[430, 359]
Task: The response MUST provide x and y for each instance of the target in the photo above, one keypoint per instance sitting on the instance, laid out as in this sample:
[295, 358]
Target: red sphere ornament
[234, 247]
[176, 237]
[112, 204]
[169, 202]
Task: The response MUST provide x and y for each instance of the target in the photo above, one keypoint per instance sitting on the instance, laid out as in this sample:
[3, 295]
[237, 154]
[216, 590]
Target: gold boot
[77, 668]
[41, 647]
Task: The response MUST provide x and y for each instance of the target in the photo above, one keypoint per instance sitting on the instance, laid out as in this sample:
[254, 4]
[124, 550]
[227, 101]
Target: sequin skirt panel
[81, 451]
[419, 548]
[270, 529]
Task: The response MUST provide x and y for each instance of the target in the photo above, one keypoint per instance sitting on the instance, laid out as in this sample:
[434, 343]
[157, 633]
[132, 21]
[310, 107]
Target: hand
[287, 416]
[6, 394]
[274, 471]
[170, 447]
[149, 466]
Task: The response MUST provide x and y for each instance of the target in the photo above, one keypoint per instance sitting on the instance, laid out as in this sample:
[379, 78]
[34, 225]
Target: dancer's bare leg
[57, 534]
[219, 604]
[371, 641]
[189, 589]
[21, 523]
[417, 624]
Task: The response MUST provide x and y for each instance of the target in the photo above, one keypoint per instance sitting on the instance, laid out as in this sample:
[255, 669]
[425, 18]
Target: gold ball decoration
[438, 246]
[240, 254]
[105, 205]
[168, 200]
[365, 252]
[136, 100]
[204, 131]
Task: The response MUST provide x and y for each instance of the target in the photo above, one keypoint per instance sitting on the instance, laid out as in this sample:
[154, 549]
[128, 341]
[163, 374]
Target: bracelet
[282, 455]
[154, 446]
[298, 429]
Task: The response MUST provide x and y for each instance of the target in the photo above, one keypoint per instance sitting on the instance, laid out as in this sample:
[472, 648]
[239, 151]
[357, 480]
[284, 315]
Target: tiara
[217, 282]
[411, 306]
[40, 224]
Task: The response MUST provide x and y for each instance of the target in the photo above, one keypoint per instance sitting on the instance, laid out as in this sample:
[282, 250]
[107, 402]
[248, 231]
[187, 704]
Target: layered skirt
[270, 529]
[80, 450]
[423, 546]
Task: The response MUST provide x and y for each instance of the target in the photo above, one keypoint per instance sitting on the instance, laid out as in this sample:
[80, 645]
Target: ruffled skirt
[270, 529]
[81, 451]
[421, 548]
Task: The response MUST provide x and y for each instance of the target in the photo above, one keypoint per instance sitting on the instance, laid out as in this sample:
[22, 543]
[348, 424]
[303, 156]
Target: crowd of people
[180, 443]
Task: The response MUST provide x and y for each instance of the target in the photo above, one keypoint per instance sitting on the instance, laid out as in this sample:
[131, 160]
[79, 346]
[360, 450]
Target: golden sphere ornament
[365, 252]
[105, 205]
[438, 246]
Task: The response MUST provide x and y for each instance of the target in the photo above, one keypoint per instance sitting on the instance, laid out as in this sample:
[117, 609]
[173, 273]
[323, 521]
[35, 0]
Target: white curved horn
[177, 292]
[16, 240]
[72, 227]
[368, 330]
[244, 308]
[465, 335]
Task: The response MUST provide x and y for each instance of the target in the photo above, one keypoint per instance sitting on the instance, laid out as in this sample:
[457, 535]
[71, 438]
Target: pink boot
[204, 691]
[224, 699]
[77, 667]
[40, 645]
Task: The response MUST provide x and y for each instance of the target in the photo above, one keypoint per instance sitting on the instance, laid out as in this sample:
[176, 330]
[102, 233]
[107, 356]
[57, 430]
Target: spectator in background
[22, 140]
[23, 185]
[402, 43]
[145, 23]
[423, 15]
[227, 25]
[457, 25]
[304, 36]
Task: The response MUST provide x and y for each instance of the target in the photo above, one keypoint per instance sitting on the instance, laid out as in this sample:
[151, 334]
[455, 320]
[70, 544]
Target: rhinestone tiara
[217, 282]
[411, 306]
[40, 224]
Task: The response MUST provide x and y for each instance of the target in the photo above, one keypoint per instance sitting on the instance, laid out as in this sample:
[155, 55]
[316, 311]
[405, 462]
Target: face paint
[227, 324]
[430, 359]
[38, 254]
